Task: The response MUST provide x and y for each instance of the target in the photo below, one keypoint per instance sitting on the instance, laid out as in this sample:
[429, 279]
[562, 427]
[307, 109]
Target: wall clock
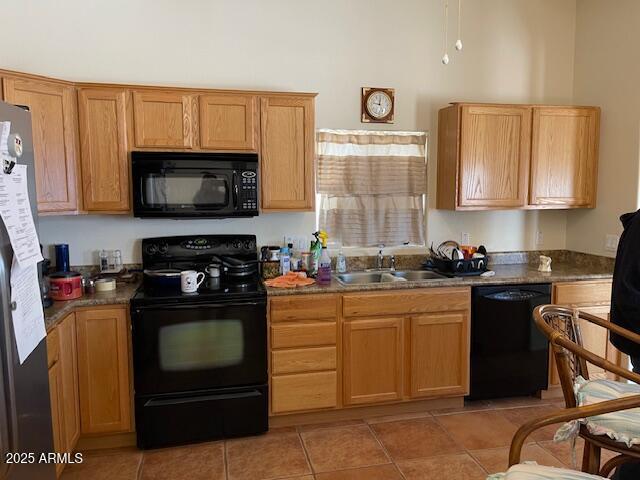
[378, 105]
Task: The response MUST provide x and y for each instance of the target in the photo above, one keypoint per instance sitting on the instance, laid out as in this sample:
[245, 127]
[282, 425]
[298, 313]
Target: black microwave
[194, 185]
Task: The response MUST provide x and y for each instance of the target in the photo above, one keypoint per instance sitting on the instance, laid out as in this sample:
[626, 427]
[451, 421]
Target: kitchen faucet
[380, 260]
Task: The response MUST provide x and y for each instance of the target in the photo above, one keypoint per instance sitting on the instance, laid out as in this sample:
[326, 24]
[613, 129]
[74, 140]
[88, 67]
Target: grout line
[306, 454]
[473, 457]
[140, 466]
[225, 461]
[384, 449]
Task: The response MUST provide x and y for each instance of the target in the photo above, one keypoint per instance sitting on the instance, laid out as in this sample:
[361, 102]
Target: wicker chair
[560, 326]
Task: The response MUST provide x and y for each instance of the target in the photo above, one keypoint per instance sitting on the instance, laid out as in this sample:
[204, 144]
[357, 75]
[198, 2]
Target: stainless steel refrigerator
[25, 416]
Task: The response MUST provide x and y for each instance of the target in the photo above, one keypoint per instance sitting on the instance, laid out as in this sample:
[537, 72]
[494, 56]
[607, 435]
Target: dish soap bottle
[324, 265]
[285, 264]
[341, 262]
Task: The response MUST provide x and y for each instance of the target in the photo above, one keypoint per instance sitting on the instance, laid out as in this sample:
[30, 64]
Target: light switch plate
[539, 238]
[466, 238]
[611, 242]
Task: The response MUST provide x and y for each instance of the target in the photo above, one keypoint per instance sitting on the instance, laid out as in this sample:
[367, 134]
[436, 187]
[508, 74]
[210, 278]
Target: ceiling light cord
[445, 56]
[459, 40]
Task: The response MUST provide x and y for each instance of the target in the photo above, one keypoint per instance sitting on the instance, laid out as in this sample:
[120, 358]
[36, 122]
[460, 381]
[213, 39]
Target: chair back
[562, 327]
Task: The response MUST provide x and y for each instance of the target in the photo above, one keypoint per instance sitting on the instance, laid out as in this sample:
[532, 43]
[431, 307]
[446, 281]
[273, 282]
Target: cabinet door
[103, 370]
[69, 378]
[494, 156]
[54, 124]
[439, 354]
[564, 157]
[373, 360]
[288, 150]
[162, 119]
[105, 165]
[228, 122]
[596, 339]
[57, 412]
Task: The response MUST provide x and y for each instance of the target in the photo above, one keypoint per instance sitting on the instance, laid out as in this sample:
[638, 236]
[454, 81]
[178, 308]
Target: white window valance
[372, 186]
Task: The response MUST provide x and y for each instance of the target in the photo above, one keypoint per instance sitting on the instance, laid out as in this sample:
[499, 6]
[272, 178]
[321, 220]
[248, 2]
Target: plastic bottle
[341, 262]
[285, 264]
[324, 265]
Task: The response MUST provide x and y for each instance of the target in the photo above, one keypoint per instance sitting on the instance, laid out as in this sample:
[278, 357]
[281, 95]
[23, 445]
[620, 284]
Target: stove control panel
[172, 249]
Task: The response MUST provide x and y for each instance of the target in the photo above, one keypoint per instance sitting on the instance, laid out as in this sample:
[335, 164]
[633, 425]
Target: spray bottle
[324, 265]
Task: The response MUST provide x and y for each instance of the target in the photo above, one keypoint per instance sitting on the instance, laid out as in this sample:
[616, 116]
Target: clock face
[379, 104]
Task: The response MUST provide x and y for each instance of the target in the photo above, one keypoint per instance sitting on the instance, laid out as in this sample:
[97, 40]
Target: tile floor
[462, 444]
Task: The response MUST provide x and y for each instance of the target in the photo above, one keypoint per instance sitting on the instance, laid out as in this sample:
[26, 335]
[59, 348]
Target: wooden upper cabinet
[439, 354]
[494, 156]
[54, 125]
[373, 358]
[517, 156]
[162, 119]
[564, 157]
[228, 122]
[287, 153]
[103, 370]
[105, 165]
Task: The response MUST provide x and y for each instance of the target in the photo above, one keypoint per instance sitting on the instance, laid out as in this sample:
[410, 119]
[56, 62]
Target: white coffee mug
[190, 280]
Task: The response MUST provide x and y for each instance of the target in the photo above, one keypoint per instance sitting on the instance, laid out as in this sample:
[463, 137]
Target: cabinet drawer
[308, 391]
[583, 293]
[304, 307]
[397, 303]
[303, 360]
[53, 346]
[303, 334]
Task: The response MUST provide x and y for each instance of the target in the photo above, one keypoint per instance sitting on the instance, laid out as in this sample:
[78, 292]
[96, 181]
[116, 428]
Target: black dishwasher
[509, 355]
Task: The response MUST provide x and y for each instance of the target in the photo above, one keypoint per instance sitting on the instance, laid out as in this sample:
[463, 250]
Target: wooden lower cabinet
[591, 297]
[57, 412]
[305, 391]
[440, 354]
[103, 370]
[69, 378]
[358, 349]
[63, 387]
[373, 354]
[304, 354]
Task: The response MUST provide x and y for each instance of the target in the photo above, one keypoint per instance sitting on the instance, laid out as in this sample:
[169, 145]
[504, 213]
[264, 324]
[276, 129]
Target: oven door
[180, 348]
[185, 192]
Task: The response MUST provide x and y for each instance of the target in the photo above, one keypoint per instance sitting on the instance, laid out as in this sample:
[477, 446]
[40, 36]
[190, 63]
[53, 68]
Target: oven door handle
[155, 402]
[200, 306]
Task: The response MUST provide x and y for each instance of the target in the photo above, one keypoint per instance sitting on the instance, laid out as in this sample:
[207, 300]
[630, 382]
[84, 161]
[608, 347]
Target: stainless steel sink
[362, 278]
[417, 275]
[367, 278]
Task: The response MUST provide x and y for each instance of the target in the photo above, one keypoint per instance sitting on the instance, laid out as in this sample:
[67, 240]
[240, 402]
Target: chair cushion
[533, 471]
[622, 426]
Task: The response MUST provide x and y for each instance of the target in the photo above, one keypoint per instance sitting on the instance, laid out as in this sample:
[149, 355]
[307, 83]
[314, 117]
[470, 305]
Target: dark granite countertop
[505, 275]
[60, 309]
[510, 268]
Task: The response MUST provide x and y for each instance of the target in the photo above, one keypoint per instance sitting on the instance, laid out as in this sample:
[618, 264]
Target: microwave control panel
[248, 191]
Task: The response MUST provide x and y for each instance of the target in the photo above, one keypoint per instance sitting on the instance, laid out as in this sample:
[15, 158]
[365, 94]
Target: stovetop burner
[180, 253]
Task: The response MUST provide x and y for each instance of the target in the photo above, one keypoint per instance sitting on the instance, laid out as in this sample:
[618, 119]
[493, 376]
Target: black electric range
[200, 359]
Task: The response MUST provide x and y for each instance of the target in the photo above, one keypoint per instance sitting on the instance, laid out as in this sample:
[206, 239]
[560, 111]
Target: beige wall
[515, 51]
[607, 73]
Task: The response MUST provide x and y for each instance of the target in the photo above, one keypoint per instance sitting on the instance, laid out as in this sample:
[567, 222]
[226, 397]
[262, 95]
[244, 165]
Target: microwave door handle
[235, 190]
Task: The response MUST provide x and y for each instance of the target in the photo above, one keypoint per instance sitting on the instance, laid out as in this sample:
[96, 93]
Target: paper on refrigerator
[15, 211]
[27, 314]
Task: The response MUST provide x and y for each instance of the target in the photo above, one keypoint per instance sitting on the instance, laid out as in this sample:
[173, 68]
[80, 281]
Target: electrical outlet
[611, 242]
[539, 238]
[466, 238]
